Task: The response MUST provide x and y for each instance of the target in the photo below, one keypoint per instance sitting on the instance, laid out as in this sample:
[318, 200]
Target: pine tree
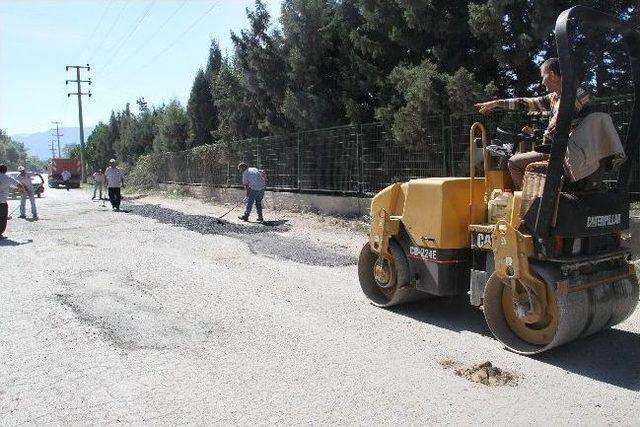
[236, 120]
[173, 128]
[214, 62]
[260, 59]
[98, 146]
[313, 95]
[201, 111]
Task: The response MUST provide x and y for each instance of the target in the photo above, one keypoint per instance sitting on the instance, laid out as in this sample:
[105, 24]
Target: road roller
[549, 268]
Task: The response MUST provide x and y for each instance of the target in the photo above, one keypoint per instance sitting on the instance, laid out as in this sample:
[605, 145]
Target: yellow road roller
[546, 263]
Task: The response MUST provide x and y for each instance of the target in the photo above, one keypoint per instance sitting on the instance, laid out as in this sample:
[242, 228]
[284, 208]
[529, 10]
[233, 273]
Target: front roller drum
[386, 282]
[568, 316]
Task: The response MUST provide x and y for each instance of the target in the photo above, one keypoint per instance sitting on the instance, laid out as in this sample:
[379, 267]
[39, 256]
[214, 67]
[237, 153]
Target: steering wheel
[515, 136]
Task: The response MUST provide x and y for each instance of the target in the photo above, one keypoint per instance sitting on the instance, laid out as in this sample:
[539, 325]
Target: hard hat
[20, 168]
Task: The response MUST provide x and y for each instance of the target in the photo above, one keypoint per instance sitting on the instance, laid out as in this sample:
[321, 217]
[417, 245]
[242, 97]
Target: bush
[146, 172]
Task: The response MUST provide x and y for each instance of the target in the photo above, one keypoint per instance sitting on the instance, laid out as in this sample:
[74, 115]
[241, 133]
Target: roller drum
[578, 313]
[398, 290]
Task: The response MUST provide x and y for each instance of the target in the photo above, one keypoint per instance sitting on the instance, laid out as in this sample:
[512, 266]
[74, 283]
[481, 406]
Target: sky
[135, 48]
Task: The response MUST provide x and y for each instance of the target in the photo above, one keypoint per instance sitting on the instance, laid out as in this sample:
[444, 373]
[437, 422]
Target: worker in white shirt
[5, 183]
[24, 179]
[98, 178]
[254, 182]
[114, 182]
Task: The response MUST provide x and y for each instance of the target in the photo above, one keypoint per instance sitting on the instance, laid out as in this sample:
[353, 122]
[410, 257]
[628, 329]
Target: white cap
[112, 161]
[20, 168]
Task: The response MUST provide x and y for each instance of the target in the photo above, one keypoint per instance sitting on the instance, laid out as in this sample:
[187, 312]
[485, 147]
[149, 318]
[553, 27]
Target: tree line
[14, 154]
[336, 62]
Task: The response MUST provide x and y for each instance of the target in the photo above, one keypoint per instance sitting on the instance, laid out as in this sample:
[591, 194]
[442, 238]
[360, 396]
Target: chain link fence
[360, 160]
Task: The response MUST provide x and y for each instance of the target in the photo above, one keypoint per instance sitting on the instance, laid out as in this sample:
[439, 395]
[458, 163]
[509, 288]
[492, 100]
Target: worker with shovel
[254, 182]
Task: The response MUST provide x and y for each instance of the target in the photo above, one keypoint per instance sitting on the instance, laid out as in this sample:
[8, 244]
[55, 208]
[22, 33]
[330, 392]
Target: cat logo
[481, 241]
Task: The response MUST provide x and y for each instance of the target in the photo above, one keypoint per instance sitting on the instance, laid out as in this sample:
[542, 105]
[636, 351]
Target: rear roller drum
[386, 282]
[566, 316]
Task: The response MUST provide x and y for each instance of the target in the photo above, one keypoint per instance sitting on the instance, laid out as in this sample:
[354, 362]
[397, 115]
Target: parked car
[37, 184]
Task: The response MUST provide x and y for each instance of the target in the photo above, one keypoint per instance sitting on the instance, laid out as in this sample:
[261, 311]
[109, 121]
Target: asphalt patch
[126, 313]
[482, 373]
[487, 374]
[262, 239]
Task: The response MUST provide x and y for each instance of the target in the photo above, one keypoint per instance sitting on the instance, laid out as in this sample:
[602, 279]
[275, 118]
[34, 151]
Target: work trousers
[114, 197]
[23, 203]
[254, 196]
[97, 186]
[4, 212]
[518, 163]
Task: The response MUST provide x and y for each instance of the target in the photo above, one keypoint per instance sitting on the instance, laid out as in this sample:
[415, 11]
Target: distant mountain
[38, 143]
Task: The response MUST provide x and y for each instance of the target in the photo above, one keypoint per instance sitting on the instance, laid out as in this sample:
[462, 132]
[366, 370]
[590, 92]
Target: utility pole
[53, 149]
[80, 93]
[58, 134]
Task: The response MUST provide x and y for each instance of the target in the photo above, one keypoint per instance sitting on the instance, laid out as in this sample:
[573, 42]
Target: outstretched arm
[539, 103]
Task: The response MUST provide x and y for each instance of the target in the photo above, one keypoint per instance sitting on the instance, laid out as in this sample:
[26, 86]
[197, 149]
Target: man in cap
[98, 178]
[27, 192]
[552, 80]
[114, 182]
[254, 182]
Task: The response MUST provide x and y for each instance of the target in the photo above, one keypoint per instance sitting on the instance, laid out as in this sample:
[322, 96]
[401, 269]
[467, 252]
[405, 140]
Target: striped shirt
[549, 102]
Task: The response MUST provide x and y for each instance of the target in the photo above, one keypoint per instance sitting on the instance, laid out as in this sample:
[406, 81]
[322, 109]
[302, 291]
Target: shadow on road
[9, 242]
[453, 313]
[611, 356]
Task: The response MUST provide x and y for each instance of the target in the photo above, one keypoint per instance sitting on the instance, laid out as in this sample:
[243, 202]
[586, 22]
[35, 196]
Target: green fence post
[451, 146]
[358, 151]
[299, 160]
[444, 145]
[189, 167]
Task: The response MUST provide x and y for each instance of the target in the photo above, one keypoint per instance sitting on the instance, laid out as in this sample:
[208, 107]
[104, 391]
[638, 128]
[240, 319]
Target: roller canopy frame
[631, 39]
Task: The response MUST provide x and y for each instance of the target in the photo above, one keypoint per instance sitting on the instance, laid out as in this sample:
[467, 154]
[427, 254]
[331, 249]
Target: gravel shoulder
[164, 316]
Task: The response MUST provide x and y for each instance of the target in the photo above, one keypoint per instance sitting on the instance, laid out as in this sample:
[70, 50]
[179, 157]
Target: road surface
[163, 316]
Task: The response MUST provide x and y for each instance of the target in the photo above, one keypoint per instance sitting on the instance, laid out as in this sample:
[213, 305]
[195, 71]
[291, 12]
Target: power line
[175, 40]
[124, 6]
[108, 82]
[152, 37]
[126, 38]
[170, 45]
[95, 29]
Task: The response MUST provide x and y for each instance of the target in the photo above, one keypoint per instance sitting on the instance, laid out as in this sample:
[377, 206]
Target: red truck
[55, 168]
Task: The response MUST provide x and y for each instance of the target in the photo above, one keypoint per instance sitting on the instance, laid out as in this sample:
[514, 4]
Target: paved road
[110, 318]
